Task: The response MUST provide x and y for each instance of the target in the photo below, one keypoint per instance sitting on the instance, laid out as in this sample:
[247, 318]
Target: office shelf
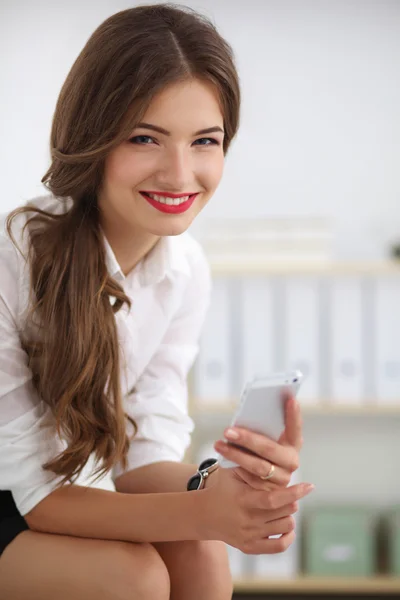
[325, 407]
[388, 267]
[304, 584]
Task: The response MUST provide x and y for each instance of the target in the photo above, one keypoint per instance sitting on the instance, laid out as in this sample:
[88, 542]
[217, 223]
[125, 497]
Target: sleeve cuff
[26, 499]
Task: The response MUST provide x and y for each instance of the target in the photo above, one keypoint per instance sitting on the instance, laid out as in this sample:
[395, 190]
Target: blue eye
[138, 139]
[145, 140]
[209, 142]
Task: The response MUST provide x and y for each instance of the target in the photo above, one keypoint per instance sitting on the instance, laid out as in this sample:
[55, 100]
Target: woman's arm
[229, 510]
[166, 476]
[89, 512]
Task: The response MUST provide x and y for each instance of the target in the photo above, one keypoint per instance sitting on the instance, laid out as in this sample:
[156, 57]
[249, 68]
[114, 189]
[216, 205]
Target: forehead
[192, 104]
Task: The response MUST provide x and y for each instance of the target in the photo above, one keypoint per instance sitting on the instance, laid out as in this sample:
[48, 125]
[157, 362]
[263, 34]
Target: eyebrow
[214, 129]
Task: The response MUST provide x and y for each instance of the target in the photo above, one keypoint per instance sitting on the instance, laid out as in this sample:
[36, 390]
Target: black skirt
[11, 521]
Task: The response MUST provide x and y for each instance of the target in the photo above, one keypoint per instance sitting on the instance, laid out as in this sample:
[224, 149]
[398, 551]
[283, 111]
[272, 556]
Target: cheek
[211, 172]
[126, 169]
[114, 171]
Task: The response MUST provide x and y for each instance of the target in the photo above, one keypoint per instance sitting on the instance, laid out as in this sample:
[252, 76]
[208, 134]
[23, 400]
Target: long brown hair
[75, 363]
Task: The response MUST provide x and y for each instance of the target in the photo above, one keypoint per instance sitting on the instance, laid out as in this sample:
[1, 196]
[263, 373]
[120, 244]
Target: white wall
[320, 123]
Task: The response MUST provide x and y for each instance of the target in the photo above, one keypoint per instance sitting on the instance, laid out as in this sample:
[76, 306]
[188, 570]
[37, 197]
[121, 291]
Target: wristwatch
[198, 480]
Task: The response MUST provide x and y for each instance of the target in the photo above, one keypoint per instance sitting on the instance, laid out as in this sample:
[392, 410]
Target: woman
[102, 299]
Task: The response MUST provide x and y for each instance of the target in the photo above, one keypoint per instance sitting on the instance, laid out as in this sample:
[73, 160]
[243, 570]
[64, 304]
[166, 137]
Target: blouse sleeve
[27, 429]
[159, 402]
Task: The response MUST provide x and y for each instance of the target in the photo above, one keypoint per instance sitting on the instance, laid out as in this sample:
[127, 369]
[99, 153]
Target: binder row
[341, 331]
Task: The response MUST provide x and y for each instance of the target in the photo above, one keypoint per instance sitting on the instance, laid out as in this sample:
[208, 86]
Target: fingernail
[231, 434]
[309, 488]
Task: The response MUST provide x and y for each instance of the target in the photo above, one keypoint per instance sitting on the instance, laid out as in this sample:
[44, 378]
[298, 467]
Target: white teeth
[169, 201]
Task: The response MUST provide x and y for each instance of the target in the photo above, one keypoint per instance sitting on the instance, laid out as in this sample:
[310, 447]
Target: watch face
[206, 464]
[194, 482]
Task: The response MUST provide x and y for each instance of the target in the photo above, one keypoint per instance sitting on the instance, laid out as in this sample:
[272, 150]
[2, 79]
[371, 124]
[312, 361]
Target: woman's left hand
[283, 455]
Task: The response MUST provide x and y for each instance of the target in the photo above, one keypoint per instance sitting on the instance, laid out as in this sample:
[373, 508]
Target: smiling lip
[170, 208]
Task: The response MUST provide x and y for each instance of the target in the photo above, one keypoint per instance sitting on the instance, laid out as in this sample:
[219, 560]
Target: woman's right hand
[244, 517]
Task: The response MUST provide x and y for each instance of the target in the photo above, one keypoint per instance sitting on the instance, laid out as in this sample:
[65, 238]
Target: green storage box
[393, 538]
[340, 540]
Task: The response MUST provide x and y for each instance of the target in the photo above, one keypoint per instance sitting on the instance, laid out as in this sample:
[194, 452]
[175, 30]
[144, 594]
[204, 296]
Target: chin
[173, 228]
[166, 231]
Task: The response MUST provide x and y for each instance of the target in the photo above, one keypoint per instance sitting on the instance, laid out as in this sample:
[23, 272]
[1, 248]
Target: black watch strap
[197, 481]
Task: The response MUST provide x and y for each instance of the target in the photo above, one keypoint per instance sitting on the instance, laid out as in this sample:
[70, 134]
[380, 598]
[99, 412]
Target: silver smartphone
[262, 406]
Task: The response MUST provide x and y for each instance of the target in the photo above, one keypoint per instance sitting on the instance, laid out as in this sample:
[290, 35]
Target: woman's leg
[41, 566]
[197, 570]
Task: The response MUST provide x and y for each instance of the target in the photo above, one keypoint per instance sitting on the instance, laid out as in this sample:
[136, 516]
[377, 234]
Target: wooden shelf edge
[198, 408]
[383, 583]
[384, 267]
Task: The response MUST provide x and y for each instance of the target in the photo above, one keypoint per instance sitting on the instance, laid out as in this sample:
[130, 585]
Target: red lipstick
[170, 208]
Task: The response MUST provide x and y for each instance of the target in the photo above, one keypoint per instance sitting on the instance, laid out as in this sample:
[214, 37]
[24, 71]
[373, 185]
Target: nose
[175, 173]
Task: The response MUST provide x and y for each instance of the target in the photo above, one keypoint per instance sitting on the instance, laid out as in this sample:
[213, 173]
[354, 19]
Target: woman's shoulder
[14, 249]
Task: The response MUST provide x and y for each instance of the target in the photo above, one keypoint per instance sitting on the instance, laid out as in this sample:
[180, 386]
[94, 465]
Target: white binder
[212, 370]
[301, 328]
[257, 327]
[387, 320]
[347, 377]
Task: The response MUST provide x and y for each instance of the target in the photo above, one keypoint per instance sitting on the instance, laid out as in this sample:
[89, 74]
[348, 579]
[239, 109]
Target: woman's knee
[208, 564]
[138, 572]
[210, 556]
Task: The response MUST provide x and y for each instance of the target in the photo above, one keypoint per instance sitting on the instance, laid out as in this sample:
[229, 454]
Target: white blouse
[170, 292]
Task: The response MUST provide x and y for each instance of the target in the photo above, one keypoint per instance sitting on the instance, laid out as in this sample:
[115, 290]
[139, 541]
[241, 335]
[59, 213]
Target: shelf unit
[325, 585]
[302, 585]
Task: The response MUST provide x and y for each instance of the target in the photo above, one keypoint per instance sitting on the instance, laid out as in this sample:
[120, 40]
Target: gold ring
[269, 474]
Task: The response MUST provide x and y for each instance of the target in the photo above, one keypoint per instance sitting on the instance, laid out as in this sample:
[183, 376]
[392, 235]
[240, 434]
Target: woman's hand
[264, 453]
[243, 517]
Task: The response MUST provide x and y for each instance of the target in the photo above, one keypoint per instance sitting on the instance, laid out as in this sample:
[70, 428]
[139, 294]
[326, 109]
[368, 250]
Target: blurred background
[303, 237]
